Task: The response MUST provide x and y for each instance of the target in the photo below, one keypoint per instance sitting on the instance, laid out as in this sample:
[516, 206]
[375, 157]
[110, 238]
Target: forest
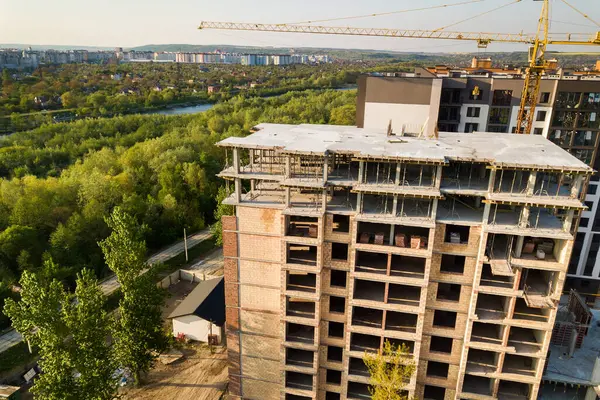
[58, 182]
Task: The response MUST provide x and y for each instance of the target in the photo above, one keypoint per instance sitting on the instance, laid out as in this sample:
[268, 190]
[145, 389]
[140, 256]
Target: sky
[129, 23]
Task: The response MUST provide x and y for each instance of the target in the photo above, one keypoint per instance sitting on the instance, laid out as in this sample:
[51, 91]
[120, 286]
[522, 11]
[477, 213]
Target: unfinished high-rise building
[343, 238]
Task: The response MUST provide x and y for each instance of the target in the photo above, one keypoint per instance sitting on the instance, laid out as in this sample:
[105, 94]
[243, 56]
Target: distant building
[202, 312]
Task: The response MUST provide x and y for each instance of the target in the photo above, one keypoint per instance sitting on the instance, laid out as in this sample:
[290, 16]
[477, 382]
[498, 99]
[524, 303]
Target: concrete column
[238, 190]
[361, 171]
[524, 218]
[392, 232]
[326, 169]
[486, 213]
[531, 183]
[492, 180]
[397, 179]
[395, 205]
[568, 221]
[434, 206]
[288, 197]
[519, 248]
[359, 199]
[324, 200]
[252, 185]
[236, 160]
[438, 176]
[288, 166]
[576, 186]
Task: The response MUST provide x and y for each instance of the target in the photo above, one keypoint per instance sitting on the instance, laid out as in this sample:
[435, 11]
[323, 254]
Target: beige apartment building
[455, 245]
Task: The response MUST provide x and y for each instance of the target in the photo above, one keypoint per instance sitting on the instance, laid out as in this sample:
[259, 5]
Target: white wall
[378, 115]
[195, 328]
[545, 124]
[481, 120]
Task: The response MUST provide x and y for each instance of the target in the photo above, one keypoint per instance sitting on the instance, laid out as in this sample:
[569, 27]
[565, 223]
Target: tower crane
[537, 42]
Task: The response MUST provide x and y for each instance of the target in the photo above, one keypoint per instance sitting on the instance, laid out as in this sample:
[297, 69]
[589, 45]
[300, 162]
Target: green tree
[390, 370]
[139, 335]
[343, 115]
[71, 333]
[220, 211]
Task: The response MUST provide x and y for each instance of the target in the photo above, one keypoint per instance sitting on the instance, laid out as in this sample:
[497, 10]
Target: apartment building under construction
[455, 245]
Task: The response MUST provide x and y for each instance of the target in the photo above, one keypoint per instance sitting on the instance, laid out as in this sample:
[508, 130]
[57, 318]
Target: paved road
[12, 337]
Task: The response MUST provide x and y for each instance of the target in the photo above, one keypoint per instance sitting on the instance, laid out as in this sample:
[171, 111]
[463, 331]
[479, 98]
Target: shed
[9, 392]
[202, 312]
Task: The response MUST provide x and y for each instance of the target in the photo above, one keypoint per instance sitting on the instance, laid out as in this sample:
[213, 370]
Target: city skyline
[133, 23]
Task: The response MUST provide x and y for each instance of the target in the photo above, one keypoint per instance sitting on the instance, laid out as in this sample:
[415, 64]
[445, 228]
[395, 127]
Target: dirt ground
[199, 376]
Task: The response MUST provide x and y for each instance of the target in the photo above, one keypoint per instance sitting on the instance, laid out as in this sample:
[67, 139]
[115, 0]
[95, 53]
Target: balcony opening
[379, 172]
[491, 307]
[434, 393]
[303, 226]
[505, 216]
[417, 175]
[437, 369]
[357, 367]
[306, 167]
[452, 264]
[337, 304]
[289, 396]
[478, 385]
[448, 292]
[514, 390]
[362, 343]
[444, 319]
[526, 340]
[377, 204]
[525, 313]
[301, 281]
[487, 333]
[547, 218]
[341, 223]
[308, 200]
[339, 251]
[368, 317]
[414, 208]
[369, 290]
[301, 254]
[540, 249]
[461, 209]
[334, 353]
[342, 169]
[338, 278]
[297, 380]
[299, 358]
[332, 396]
[301, 308]
[264, 192]
[511, 181]
[374, 263]
[360, 391]
[405, 295]
[399, 343]
[553, 184]
[497, 281]
[465, 175]
[439, 344]
[336, 329]
[537, 282]
[482, 361]
[457, 234]
[333, 377]
[341, 199]
[407, 267]
[401, 322]
[404, 236]
[520, 365]
[300, 333]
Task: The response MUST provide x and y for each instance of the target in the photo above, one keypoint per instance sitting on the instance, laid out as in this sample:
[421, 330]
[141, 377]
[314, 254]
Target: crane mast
[537, 41]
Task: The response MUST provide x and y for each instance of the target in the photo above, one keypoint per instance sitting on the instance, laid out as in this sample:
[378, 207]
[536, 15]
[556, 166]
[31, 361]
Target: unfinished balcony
[300, 226]
[407, 267]
[474, 387]
[540, 253]
[267, 194]
[367, 317]
[409, 296]
[526, 341]
[487, 336]
[342, 171]
[305, 171]
[491, 282]
[465, 178]
[302, 334]
[365, 343]
[306, 201]
[491, 308]
[538, 287]
[359, 391]
[299, 358]
[452, 264]
[254, 164]
[520, 366]
[508, 390]
[369, 290]
[301, 282]
[460, 209]
[300, 308]
[300, 254]
[371, 263]
[358, 368]
[529, 317]
[498, 253]
[482, 362]
[401, 322]
[395, 236]
[299, 381]
[341, 199]
[391, 177]
[530, 221]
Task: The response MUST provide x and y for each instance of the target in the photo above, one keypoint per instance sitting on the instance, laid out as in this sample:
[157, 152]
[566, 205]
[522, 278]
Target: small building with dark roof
[202, 312]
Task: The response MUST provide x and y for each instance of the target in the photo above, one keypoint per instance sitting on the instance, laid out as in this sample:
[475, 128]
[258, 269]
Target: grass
[16, 356]
[178, 262]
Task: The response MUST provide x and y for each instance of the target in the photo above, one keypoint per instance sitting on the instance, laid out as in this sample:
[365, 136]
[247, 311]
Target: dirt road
[200, 376]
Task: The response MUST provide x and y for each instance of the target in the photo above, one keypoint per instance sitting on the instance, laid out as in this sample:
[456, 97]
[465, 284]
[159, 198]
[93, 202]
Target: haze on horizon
[130, 23]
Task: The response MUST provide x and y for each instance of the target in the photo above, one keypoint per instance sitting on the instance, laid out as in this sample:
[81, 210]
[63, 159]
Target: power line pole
[185, 245]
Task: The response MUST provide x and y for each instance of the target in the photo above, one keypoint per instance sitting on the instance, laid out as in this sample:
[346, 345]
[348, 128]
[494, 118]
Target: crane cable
[385, 13]
[580, 12]
[478, 15]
